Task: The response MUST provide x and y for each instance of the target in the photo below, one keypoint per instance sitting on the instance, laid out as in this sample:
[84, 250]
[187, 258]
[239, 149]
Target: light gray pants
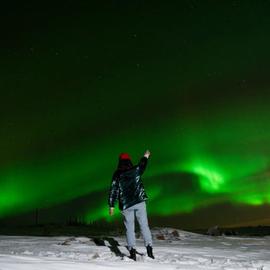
[139, 210]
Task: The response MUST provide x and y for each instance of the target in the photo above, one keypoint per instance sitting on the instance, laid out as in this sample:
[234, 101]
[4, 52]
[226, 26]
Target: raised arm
[143, 162]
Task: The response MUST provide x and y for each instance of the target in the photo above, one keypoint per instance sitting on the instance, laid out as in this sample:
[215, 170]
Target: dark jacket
[127, 186]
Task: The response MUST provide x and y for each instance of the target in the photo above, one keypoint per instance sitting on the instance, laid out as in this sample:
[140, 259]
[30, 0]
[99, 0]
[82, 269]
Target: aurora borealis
[82, 82]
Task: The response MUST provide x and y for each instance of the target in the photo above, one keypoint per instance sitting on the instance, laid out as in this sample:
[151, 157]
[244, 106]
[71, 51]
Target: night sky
[82, 81]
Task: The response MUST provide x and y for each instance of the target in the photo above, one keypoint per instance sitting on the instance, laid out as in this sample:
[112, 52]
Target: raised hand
[147, 153]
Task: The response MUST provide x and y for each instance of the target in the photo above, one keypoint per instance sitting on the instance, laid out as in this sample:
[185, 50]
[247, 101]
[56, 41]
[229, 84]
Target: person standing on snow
[128, 189]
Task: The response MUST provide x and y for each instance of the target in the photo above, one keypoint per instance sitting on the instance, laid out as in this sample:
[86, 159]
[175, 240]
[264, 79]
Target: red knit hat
[124, 156]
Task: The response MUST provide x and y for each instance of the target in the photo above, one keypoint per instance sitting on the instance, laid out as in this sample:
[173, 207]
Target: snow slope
[173, 249]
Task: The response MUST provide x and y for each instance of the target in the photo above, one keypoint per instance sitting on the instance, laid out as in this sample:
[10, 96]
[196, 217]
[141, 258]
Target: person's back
[128, 189]
[129, 185]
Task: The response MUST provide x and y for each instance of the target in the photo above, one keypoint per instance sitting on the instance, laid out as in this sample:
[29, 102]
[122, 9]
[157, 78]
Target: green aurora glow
[198, 102]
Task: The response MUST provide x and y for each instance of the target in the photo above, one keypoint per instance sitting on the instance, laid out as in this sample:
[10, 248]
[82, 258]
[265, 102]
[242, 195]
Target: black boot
[150, 251]
[133, 254]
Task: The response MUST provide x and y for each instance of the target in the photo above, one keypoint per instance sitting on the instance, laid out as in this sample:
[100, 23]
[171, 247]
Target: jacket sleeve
[142, 164]
[113, 192]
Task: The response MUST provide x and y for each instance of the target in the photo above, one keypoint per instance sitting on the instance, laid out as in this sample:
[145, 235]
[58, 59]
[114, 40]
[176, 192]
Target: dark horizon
[204, 218]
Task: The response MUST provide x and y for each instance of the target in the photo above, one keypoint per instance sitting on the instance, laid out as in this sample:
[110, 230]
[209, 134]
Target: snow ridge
[173, 249]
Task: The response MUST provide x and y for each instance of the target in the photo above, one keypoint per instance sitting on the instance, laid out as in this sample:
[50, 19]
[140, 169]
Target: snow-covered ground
[173, 249]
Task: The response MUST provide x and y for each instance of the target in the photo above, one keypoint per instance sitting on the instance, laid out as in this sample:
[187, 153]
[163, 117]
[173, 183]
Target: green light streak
[210, 179]
[79, 172]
